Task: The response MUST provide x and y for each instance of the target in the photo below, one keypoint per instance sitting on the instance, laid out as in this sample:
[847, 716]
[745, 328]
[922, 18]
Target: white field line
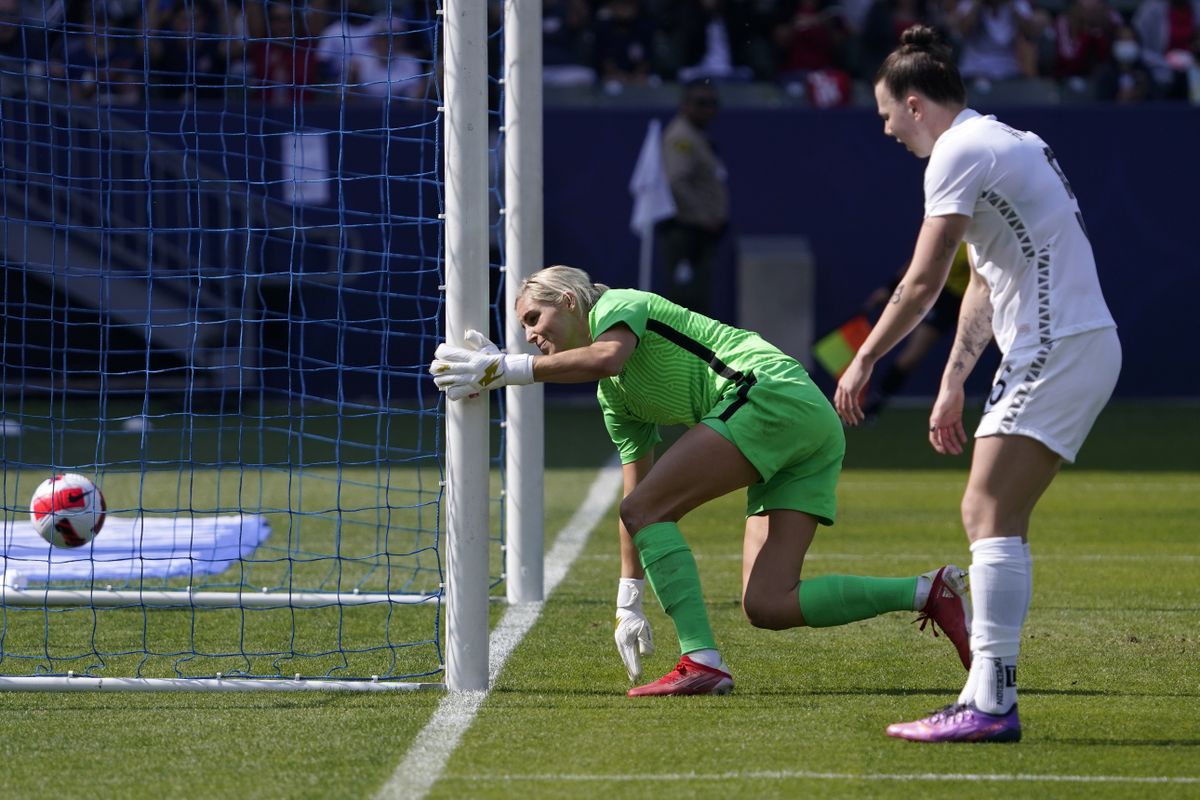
[783, 775]
[433, 746]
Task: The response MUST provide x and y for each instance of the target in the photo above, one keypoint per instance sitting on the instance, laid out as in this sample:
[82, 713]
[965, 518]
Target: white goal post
[465, 501]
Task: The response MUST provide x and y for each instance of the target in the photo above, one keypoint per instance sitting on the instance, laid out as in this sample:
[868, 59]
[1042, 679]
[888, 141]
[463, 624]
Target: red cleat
[949, 609]
[688, 677]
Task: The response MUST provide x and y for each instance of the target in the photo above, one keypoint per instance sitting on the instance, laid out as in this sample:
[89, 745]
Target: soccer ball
[67, 510]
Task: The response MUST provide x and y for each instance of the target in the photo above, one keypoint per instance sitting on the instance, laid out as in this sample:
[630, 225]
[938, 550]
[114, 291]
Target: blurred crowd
[288, 52]
[1118, 51]
[278, 53]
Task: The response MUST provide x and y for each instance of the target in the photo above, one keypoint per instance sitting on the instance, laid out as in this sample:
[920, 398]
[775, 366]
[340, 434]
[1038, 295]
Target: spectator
[688, 243]
[394, 66]
[22, 48]
[1083, 37]
[566, 43]
[345, 37]
[102, 62]
[855, 13]
[283, 65]
[1125, 78]
[187, 51]
[1193, 73]
[881, 28]
[995, 36]
[1166, 28]
[624, 44]
[19, 39]
[811, 36]
[719, 39]
[811, 39]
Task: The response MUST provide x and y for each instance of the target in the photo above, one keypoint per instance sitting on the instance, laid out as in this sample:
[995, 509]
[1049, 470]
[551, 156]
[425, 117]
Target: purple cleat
[960, 723]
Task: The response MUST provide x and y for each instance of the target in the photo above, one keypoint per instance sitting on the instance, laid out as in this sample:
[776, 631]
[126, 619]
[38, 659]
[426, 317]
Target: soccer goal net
[224, 228]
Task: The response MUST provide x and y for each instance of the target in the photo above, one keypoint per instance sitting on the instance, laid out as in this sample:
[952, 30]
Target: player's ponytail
[550, 284]
[921, 37]
[923, 63]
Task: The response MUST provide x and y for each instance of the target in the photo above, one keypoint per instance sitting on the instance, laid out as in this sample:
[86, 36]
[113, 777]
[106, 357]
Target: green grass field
[1110, 690]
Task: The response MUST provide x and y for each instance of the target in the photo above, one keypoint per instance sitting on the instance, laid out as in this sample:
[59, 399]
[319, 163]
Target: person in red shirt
[282, 60]
[1084, 38]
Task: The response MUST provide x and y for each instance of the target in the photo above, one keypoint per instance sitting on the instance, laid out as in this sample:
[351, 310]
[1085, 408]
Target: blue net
[222, 291]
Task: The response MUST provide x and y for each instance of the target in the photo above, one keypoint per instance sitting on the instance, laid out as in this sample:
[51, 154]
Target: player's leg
[1026, 433]
[669, 244]
[782, 517]
[1008, 476]
[774, 596]
[773, 551]
[702, 254]
[684, 478]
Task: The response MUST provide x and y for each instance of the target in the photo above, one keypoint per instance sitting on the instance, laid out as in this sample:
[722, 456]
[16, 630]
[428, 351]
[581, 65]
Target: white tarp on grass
[130, 549]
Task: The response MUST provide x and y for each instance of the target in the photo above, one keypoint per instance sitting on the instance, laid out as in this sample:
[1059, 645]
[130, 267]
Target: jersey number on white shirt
[1066, 185]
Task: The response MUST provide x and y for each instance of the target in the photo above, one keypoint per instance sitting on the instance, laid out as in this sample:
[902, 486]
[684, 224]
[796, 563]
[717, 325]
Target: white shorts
[1054, 392]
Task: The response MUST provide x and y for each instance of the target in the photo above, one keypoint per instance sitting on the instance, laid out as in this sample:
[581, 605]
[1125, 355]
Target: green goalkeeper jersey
[683, 365]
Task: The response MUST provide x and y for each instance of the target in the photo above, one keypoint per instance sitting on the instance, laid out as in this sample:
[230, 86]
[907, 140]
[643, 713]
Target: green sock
[837, 599]
[671, 570]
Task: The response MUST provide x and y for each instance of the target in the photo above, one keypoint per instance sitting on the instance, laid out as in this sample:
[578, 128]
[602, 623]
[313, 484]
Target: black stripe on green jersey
[743, 390]
[695, 348]
[709, 357]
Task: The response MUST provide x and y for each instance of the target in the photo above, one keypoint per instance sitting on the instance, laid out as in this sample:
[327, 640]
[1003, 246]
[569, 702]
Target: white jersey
[1026, 233]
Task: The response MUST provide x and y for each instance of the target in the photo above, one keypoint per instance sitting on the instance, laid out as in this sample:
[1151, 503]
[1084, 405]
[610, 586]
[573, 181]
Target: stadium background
[832, 177]
[824, 174]
[827, 175]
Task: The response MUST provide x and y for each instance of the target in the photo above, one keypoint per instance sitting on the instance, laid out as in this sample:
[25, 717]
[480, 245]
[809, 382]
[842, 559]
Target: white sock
[1029, 580]
[709, 658]
[1000, 590]
[969, 690]
[921, 596]
[967, 695]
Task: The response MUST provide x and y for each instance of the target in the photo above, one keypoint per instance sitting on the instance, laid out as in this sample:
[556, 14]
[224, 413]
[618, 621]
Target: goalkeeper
[763, 425]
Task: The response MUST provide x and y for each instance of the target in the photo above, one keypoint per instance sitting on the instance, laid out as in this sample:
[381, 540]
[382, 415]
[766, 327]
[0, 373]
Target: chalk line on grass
[433, 746]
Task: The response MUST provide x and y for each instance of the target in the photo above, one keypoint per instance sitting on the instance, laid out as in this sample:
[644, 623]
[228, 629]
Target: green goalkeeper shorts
[786, 428]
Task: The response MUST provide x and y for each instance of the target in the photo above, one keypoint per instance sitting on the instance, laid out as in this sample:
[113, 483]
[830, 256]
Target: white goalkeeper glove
[478, 367]
[632, 633]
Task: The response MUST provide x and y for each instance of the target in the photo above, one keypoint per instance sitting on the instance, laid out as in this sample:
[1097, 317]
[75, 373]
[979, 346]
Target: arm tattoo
[947, 245]
[896, 295]
[974, 334]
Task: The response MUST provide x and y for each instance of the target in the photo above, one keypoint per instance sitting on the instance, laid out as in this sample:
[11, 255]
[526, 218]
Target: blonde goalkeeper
[755, 421]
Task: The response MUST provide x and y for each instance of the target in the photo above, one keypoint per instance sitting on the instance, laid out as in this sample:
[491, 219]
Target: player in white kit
[1034, 288]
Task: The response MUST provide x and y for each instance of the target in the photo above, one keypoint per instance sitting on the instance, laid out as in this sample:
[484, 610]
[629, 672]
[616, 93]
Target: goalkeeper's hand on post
[632, 633]
[480, 366]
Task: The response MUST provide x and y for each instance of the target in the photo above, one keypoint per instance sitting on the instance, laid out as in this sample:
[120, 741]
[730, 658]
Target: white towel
[130, 549]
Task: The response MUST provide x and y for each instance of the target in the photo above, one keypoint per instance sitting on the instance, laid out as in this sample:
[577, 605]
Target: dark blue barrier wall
[828, 175]
[833, 177]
